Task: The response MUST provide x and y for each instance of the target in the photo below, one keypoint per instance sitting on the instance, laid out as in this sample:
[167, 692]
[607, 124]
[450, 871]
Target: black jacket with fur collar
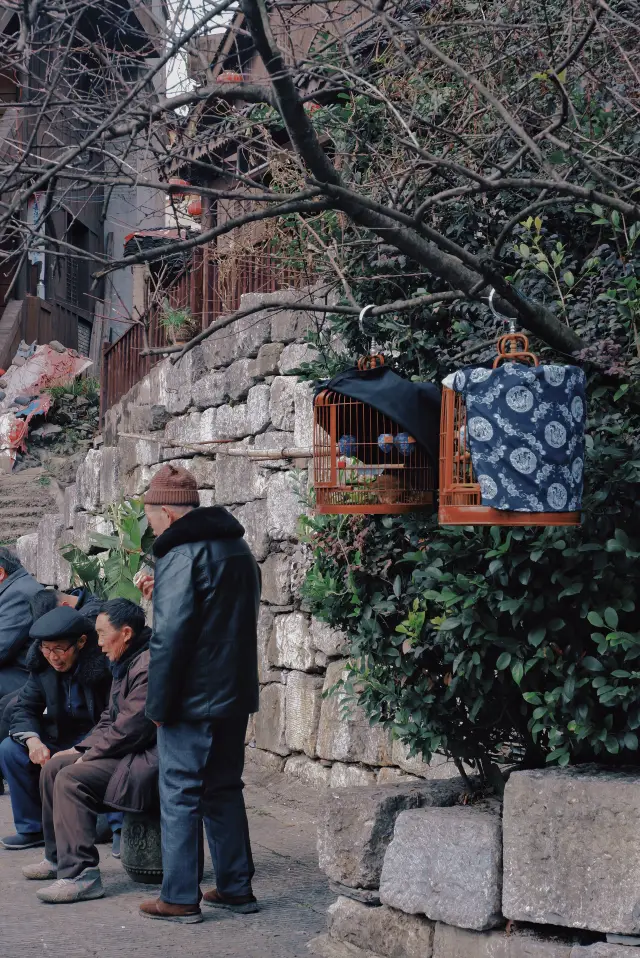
[206, 598]
[45, 690]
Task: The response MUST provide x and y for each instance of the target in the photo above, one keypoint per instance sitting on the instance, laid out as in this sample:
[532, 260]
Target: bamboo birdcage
[460, 500]
[366, 463]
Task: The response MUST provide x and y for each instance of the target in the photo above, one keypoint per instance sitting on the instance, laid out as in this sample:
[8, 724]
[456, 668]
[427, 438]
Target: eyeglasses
[58, 651]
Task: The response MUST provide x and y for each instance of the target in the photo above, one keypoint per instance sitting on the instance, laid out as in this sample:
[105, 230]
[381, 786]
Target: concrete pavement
[293, 893]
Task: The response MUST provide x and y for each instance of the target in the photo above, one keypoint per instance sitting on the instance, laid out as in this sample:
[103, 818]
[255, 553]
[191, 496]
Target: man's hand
[144, 581]
[39, 754]
[69, 751]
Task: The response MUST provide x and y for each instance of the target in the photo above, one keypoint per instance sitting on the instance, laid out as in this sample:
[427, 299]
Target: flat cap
[60, 623]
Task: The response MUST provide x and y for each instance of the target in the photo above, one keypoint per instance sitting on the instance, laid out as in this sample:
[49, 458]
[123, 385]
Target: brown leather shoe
[185, 914]
[242, 904]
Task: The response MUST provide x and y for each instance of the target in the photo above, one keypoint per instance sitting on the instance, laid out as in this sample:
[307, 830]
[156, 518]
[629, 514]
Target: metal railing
[209, 289]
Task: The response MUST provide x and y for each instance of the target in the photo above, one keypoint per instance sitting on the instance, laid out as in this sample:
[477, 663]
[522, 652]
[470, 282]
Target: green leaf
[569, 278]
[503, 661]
[593, 665]
[524, 250]
[631, 741]
[532, 698]
[611, 617]
[517, 671]
[536, 636]
[595, 619]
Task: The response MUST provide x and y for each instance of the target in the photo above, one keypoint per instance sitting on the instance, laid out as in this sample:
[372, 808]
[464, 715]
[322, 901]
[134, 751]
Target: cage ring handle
[499, 316]
[363, 313]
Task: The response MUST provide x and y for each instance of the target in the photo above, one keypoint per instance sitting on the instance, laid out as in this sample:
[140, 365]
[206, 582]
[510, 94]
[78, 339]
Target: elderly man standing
[16, 590]
[203, 685]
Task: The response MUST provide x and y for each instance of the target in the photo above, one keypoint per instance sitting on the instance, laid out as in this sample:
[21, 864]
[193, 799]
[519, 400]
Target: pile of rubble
[46, 411]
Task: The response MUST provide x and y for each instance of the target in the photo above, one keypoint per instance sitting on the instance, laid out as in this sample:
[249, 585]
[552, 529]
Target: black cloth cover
[414, 406]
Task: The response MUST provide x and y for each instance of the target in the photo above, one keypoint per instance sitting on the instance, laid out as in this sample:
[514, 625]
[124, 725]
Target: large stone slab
[295, 355]
[344, 734]
[383, 930]
[572, 848]
[304, 770]
[271, 720]
[276, 579]
[27, 551]
[253, 517]
[266, 624]
[285, 493]
[88, 481]
[352, 776]
[324, 946]
[303, 698]
[453, 942]
[238, 480]
[303, 428]
[291, 648]
[70, 505]
[51, 568]
[446, 863]
[326, 639]
[357, 826]
[110, 485]
[282, 407]
[604, 950]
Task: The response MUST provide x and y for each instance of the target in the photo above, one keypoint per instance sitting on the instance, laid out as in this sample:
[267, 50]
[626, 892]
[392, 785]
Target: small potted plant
[179, 324]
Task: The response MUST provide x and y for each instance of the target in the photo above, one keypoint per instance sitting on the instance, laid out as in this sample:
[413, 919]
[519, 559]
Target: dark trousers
[7, 705]
[201, 766]
[22, 777]
[72, 793]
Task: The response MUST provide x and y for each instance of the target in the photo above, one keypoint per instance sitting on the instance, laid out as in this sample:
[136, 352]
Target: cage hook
[363, 313]
[499, 316]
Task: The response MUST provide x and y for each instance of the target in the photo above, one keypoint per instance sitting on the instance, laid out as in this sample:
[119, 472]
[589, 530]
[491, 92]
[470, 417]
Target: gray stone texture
[271, 720]
[572, 848]
[266, 362]
[382, 930]
[446, 863]
[453, 942]
[253, 517]
[295, 355]
[348, 737]
[266, 624]
[326, 639]
[283, 391]
[276, 579]
[351, 776]
[357, 827]
[27, 551]
[603, 950]
[284, 505]
[303, 698]
[238, 480]
[110, 485]
[88, 481]
[290, 645]
[395, 776]
[70, 505]
[306, 771]
[51, 568]
[303, 428]
[324, 946]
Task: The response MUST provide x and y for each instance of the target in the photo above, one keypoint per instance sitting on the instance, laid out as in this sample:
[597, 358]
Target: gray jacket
[15, 616]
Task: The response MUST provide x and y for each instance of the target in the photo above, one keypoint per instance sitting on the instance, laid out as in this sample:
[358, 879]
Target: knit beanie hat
[172, 486]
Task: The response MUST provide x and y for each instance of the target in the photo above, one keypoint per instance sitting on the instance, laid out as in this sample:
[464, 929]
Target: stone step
[326, 947]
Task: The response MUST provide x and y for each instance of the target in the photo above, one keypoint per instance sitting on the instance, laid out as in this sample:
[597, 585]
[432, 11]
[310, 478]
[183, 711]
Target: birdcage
[366, 463]
[460, 499]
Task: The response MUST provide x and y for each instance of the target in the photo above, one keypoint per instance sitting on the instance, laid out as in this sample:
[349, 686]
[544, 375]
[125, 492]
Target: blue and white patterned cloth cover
[526, 434]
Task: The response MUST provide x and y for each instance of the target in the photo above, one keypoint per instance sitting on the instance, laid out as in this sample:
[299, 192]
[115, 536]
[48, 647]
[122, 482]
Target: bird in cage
[405, 444]
[385, 443]
[348, 445]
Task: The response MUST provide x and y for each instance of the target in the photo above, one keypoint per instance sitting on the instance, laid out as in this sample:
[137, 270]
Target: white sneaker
[86, 886]
[41, 871]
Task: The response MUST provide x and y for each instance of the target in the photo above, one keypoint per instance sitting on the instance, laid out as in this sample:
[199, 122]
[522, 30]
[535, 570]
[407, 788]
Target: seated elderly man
[66, 692]
[115, 765]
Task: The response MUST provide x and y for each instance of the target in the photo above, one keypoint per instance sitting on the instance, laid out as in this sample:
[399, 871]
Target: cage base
[381, 509]
[476, 515]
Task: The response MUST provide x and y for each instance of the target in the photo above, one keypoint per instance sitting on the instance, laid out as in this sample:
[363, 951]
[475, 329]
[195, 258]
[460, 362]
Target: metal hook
[499, 316]
[363, 313]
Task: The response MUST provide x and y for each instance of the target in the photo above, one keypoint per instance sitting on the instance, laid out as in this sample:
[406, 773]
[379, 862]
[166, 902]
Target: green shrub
[110, 566]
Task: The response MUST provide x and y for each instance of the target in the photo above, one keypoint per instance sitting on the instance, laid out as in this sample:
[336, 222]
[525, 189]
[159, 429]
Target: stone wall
[237, 385]
[554, 873]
